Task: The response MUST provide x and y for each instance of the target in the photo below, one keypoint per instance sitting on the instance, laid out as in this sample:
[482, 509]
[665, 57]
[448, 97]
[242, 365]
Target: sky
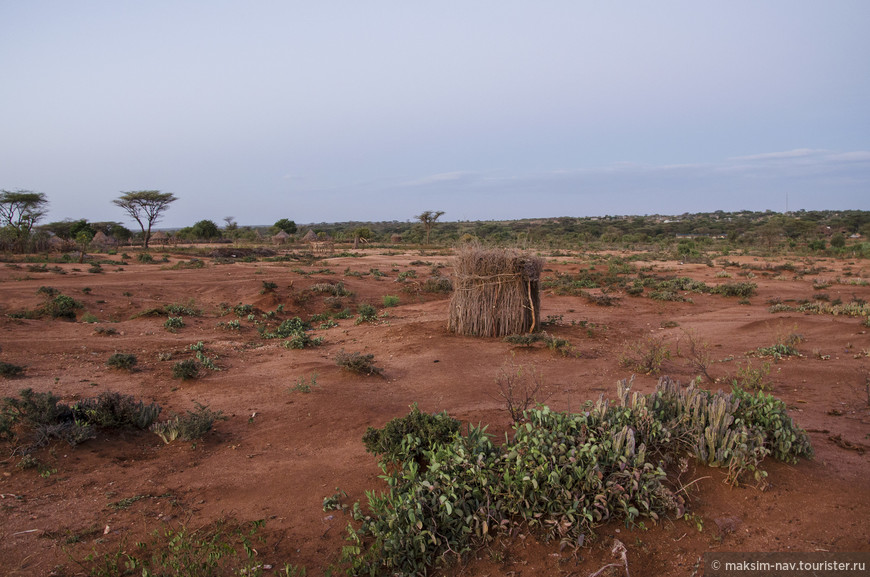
[332, 111]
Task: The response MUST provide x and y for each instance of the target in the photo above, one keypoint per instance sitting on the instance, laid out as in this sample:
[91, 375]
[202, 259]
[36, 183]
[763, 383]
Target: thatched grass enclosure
[496, 292]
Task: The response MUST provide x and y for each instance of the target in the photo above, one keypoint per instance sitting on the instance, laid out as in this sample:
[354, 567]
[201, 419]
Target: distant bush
[366, 313]
[116, 410]
[548, 340]
[736, 289]
[185, 370]
[390, 301]
[440, 284]
[173, 323]
[62, 307]
[357, 363]
[124, 361]
[188, 427]
[9, 371]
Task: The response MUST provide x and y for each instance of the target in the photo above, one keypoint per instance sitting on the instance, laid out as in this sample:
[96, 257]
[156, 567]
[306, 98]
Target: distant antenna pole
[786, 202]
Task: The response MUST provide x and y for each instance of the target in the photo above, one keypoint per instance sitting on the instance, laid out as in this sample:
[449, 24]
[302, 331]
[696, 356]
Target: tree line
[22, 210]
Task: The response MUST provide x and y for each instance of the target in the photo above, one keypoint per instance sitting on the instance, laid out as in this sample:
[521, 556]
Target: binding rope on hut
[496, 292]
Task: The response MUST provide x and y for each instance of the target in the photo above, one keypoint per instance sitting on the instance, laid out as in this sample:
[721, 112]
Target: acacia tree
[145, 207]
[428, 218]
[21, 210]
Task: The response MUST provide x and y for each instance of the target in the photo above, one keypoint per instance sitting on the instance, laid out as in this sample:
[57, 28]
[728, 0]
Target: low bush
[10, 371]
[562, 474]
[185, 370]
[173, 323]
[439, 284]
[357, 363]
[188, 427]
[62, 307]
[390, 301]
[124, 361]
[45, 418]
[553, 343]
[646, 356]
[116, 410]
[412, 436]
[366, 313]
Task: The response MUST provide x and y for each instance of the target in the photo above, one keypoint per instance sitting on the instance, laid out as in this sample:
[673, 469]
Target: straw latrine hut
[496, 292]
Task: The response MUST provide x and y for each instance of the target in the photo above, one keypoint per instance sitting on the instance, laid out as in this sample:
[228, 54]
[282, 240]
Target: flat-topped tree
[428, 218]
[146, 207]
[21, 210]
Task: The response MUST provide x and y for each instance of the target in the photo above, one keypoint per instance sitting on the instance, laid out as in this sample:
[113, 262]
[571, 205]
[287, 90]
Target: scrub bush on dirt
[562, 475]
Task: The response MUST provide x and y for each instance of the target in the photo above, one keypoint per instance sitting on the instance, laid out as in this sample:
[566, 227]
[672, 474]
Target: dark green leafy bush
[46, 418]
[62, 307]
[366, 313]
[185, 370]
[409, 437]
[562, 474]
[9, 371]
[116, 410]
[124, 361]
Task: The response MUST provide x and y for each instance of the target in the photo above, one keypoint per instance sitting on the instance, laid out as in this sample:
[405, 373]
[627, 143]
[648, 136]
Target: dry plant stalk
[496, 292]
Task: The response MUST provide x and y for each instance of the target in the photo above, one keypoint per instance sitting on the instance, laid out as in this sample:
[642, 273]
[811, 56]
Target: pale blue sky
[349, 110]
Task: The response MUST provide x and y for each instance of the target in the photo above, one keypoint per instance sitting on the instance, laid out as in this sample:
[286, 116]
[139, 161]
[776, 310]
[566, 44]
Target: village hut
[101, 241]
[309, 237]
[496, 292]
[281, 237]
[159, 237]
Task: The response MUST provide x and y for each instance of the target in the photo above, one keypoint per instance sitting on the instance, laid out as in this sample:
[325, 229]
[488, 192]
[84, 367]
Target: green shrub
[116, 410]
[366, 313]
[390, 301]
[410, 437]
[125, 361]
[561, 474]
[336, 290]
[185, 370]
[179, 309]
[737, 289]
[243, 310]
[145, 258]
[10, 371]
[528, 339]
[357, 363]
[173, 323]
[188, 427]
[303, 340]
[62, 307]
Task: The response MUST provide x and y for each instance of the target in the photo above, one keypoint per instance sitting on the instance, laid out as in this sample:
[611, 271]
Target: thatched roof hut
[281, 237]
[310, 236]
[496, 292]
[159, 237]
[102, 240]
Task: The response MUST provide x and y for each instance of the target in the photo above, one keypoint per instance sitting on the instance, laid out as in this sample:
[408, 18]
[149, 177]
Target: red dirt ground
[281, 452]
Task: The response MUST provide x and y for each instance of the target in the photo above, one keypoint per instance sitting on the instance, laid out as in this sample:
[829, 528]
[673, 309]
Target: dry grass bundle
[496, 292]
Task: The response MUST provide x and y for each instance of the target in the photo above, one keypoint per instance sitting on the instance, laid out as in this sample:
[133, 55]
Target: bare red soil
[280, 452]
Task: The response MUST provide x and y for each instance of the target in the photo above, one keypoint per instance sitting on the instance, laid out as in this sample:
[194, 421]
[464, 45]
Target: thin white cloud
[787, 154]
[440, 178]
